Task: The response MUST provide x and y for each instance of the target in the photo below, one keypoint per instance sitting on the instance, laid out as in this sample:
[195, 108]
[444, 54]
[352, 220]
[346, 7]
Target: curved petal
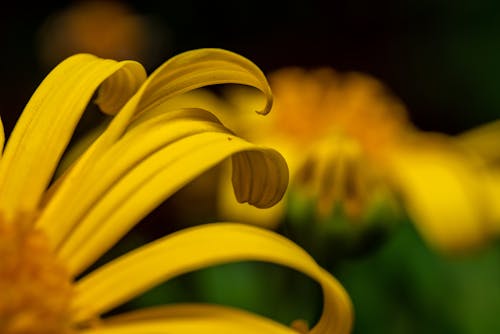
[247, 125]
[76, 150]
[442, 194]
[186, 71]
[200, 247]
[202, 67]
[190, 318]
[47, 124]
[229, 209]
[150, 163]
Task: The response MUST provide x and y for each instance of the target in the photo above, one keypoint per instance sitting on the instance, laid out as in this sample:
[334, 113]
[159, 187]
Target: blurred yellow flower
[51, 232]
[349, 143]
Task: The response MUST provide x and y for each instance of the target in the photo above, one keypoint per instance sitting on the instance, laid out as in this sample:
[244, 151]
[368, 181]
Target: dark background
[440, 57]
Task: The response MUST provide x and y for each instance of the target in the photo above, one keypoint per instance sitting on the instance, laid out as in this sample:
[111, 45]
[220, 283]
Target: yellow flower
[348, 141]
[52, 231]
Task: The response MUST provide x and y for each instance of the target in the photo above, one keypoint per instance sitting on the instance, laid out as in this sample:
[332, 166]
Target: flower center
[35, 289]
[337, 171]
[311, 105]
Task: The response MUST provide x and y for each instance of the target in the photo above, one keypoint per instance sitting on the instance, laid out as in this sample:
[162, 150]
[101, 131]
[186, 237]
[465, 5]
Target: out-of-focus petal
[483, 140]
[442, 194]
[200, 247]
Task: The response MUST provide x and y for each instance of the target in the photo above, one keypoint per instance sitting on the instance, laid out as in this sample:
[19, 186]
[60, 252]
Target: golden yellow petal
[47, 124]
[203, 67]
[194, 325]
[200, 247]
[146, 166]
[78, 149]
[491, 183]
[191, 318]
[443, 195]
[260, 175]
[229, 209]
[2, 137]
[247, 125]
[483, 140]
[186, 71]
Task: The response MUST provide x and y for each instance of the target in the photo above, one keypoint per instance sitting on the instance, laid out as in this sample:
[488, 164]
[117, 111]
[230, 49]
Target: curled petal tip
[268, 106]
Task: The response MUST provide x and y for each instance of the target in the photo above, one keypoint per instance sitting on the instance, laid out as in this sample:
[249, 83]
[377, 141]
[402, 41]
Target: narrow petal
[190, 318]
[248, 125]
[442, 194]
[47, 124]
[203, 67]
[78, 149]
[200, 247]
[2, 137]
[150, 163]
[186, 71]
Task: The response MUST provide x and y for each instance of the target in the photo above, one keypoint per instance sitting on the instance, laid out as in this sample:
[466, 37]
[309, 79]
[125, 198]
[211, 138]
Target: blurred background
[442, 58]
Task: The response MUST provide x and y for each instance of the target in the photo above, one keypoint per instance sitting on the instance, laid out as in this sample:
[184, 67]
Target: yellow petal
[492, 185]
[245, 124]
[78, 148]
[190, 318]
[194, 325]
[47, 124]
[186, 71]
[202, 67]
[200, 247]
[2, 137]
[442, 194]
[483, 140]
[229, 209]
[146, 166]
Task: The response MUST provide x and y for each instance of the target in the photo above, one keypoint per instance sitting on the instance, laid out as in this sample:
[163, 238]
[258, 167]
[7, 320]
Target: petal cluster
[148, 151]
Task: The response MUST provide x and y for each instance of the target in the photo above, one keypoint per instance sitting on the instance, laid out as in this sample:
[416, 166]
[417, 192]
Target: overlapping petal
[149, 164]
[186, 71]
[190, 318]
[229, 209]
[199, 247]
[47, 124]
[147, 152]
